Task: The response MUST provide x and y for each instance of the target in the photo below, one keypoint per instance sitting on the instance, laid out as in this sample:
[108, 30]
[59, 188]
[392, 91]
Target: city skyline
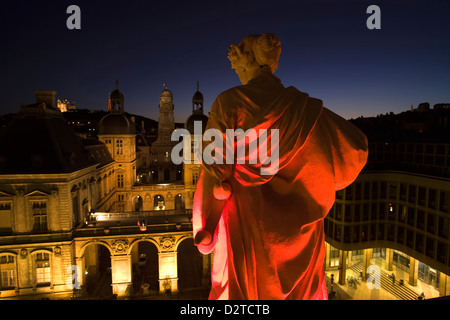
[327, 51]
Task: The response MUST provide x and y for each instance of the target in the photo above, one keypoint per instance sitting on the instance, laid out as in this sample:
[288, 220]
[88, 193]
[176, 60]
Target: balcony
[139, 222]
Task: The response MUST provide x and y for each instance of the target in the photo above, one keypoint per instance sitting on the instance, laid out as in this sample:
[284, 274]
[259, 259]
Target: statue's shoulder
[232, 92]
[310, 101]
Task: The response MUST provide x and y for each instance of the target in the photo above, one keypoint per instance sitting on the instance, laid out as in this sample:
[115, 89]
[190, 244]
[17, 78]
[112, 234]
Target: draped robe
[269, 243]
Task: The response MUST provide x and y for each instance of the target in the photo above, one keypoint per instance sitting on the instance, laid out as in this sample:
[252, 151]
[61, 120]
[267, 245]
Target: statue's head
[255, 54]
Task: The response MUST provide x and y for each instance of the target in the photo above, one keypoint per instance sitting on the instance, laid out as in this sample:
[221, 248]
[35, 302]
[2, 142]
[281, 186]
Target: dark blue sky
[327, 51]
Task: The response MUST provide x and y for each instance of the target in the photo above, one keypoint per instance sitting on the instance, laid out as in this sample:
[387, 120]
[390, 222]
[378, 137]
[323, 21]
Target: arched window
[154, 174]
[179, 174]
[7, 272]
[158, 202]
[138, 204]
[42, 268]
[179, 205]
[166, 175]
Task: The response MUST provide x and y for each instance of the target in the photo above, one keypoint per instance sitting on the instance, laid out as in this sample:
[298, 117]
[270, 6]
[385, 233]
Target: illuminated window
[39, 209]
[5, 205]
[119, 146]
[7, 272]
[334, 257]
[42, 269]
[195, 177]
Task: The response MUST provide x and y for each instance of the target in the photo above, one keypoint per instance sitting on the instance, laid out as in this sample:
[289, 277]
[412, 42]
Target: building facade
[73, 212]
[398, 208]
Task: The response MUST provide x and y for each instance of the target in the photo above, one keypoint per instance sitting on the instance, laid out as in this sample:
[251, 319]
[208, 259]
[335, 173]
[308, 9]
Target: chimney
[47, 97]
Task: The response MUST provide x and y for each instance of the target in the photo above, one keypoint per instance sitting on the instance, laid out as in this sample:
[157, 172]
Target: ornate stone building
[72, 213]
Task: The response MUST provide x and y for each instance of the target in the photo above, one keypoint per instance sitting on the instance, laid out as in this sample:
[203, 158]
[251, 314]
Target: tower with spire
[116, 100]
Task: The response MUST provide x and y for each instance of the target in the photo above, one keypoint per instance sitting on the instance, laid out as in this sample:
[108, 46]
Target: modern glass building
[398, 208]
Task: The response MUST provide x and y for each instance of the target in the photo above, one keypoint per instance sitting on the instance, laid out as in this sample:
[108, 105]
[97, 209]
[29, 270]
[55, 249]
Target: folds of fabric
[269, 243]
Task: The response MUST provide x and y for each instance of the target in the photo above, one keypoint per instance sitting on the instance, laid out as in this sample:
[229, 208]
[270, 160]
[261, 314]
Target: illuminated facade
[73, 213]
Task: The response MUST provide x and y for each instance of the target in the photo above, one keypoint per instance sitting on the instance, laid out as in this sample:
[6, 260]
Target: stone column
[121, 274]
[413, 271]
[342, 266]
[366, 262]
[81, 276]
[389, 259]
[327, 256]
[168, 271]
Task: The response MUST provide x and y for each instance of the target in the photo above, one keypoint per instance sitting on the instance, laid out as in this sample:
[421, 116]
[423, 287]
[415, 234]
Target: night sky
[327, 51]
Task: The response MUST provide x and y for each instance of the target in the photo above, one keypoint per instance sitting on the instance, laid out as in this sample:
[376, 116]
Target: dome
[196, 117]
[198, 97]
[116, 123]
[116, 94]
[166, 93]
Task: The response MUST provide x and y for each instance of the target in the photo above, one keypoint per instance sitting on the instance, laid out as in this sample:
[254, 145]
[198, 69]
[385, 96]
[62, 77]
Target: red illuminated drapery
[269, 243]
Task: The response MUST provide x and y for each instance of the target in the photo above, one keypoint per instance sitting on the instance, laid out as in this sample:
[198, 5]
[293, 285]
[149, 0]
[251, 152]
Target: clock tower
[166, 122]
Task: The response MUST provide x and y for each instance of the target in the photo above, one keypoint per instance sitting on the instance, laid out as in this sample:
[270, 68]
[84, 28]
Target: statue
[268, 237]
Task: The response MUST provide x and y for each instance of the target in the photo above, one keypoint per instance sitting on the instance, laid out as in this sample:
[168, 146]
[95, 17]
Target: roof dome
[198, 97]
[166, 93]
[116, 123]
[196, 117]
[116, 94]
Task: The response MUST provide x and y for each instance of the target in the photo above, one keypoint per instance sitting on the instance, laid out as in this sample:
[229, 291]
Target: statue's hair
[263, 49]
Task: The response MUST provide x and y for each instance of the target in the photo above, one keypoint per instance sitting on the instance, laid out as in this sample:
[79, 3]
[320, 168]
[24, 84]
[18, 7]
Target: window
[42, 269]
[348, 213]
[392, 191]
[431, 223]
[7, 272]
[119, 146]
[338, 211]
[5, 217]
[7, 277]
[400, 235]
[120, 180]
[375, 190]
[444, 227]
[383, 187]
[422, 196]
[432, 195]
[367, 190]
[39, 209]
[430, 247]
[358, 187]
[403, 191]
[349, 192]
[411, 216]
[5, 206]
[420, 219]
[412, 194]
[194, 177]
[378, 253]
[357, 255]
[404, 211]
[334, 257]
[443, 202]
